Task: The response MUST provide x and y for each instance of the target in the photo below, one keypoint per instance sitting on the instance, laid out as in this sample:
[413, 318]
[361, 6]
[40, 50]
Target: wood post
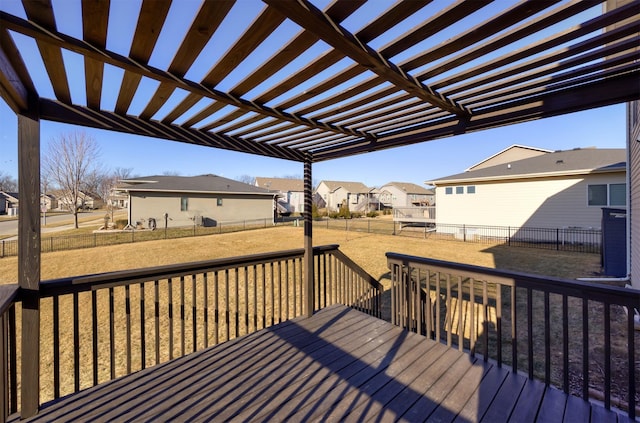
[29, 256]
[308, 239]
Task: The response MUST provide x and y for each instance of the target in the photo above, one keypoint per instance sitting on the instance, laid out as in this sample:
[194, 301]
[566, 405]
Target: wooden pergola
[472, 65]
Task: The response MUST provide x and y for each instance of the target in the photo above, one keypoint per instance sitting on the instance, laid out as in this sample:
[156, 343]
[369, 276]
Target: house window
[219, 202]
[459, 190]
[607, 195]
[618, 195]
[471, 189]
[184, 204]
[448, 190]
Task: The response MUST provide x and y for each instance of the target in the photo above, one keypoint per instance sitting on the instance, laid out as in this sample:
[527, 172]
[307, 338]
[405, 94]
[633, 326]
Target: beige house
[204, 200]
[290, 193]
[554, 190]
[633, 211]
[405, 194]
[48, 202]
[336, 193]
[510, 154]
[85, 200]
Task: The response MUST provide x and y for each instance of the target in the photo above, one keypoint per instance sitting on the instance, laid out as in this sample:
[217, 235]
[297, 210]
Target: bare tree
[109, 183]
[247, 179]
[8, 183]
[69, 162]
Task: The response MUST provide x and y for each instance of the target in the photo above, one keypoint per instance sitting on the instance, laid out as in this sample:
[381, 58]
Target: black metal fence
[562, 239]
[9, 248]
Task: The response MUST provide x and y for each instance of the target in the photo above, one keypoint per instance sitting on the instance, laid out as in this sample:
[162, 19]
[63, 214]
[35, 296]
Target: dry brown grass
[367, 250]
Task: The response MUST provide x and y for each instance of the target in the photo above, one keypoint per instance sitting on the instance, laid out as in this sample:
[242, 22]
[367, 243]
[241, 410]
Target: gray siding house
[9, 202]
[290, 193]
[194, 200]
[405, 194]
[562, 189]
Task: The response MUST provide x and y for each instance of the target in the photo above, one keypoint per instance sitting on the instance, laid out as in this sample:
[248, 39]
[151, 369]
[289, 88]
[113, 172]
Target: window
[471, 189]
[184, 204]
[448, 190]
[607, 195]
[219, 202]
[459, 190]
[618, 195]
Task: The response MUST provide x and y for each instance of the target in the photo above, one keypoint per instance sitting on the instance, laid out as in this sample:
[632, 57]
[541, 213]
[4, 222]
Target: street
[10, 227]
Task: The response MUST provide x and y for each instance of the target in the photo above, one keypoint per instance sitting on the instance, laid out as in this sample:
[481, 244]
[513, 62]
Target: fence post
[369, 226]
[95, 241]
[464, 233]
[132, 237]
[557, 238]
[509, 236]
[2, 255]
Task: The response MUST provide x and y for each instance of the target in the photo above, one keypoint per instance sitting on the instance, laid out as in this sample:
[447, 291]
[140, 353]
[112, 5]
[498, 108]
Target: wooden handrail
[427, 295]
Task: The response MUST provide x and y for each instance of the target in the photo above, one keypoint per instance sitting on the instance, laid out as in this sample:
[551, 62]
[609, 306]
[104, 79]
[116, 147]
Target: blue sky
[602, 128]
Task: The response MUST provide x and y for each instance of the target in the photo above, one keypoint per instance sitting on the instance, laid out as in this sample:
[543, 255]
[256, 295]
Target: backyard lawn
[368, 250]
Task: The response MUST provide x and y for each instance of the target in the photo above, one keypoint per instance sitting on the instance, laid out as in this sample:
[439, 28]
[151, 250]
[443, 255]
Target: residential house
[48, 202]
[552, 190]
[405, 194]
[187, 200]
[290, 193]
[633, 212]
[9, 202]
[510, 154]
[337, 193]
[85, 200]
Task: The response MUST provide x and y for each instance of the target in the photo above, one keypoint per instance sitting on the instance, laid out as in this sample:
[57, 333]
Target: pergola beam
[314, 20]
[60, 40]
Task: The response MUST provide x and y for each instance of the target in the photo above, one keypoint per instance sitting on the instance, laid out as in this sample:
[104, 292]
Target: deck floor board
[339, 365]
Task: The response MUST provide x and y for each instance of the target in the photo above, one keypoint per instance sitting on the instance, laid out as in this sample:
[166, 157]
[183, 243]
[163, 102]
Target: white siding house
[201, 200]
[554, 190]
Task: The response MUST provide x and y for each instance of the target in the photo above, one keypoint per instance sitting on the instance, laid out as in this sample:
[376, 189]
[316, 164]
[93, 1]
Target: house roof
[281, 184]
[557, 163]
[349, 77]
[508, 149]
[355, 187]
[10, 195]
[409, 188]
[190, 184]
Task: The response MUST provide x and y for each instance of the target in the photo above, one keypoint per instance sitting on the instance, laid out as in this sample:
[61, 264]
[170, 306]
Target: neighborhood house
[290, 193]
[405, 194]
[204, 200]
[561, 189]
[355, 195]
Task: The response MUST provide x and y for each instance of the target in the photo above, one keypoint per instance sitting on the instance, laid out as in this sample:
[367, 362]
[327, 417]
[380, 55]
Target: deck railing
[99, 327]
[575, 335]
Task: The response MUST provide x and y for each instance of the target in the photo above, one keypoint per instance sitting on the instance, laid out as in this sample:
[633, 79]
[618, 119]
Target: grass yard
[366, 249]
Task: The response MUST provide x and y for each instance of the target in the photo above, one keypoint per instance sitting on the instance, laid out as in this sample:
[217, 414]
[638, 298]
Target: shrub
[372, 214]
[121, 223]
[344, 211]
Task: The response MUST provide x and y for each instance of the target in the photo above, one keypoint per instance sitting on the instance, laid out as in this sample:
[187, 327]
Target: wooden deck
[339, 365]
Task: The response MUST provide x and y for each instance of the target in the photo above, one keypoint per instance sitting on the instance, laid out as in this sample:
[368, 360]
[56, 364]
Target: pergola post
[308, 238]
[29, 256]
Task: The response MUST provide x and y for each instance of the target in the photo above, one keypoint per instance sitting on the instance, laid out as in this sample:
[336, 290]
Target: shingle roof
[410, 188]
[567, 162]
[281, 184]
[355, 187]
[200, 184]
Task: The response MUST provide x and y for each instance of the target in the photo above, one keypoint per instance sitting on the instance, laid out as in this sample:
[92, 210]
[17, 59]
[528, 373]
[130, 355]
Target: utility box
[614, 242]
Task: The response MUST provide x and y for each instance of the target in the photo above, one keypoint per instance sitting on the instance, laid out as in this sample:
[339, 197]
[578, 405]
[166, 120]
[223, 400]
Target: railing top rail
[8, 294]
[126, 277]
[610, 294]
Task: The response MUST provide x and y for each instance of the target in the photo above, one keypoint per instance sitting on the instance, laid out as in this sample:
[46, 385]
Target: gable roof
[507, 152]
[190, 184]
[355, 187]
[10, 195]
[409, 188]
[558, 163]
[281, 184]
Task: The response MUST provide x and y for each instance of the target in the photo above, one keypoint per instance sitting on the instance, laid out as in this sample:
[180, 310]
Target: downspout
[308, 240]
